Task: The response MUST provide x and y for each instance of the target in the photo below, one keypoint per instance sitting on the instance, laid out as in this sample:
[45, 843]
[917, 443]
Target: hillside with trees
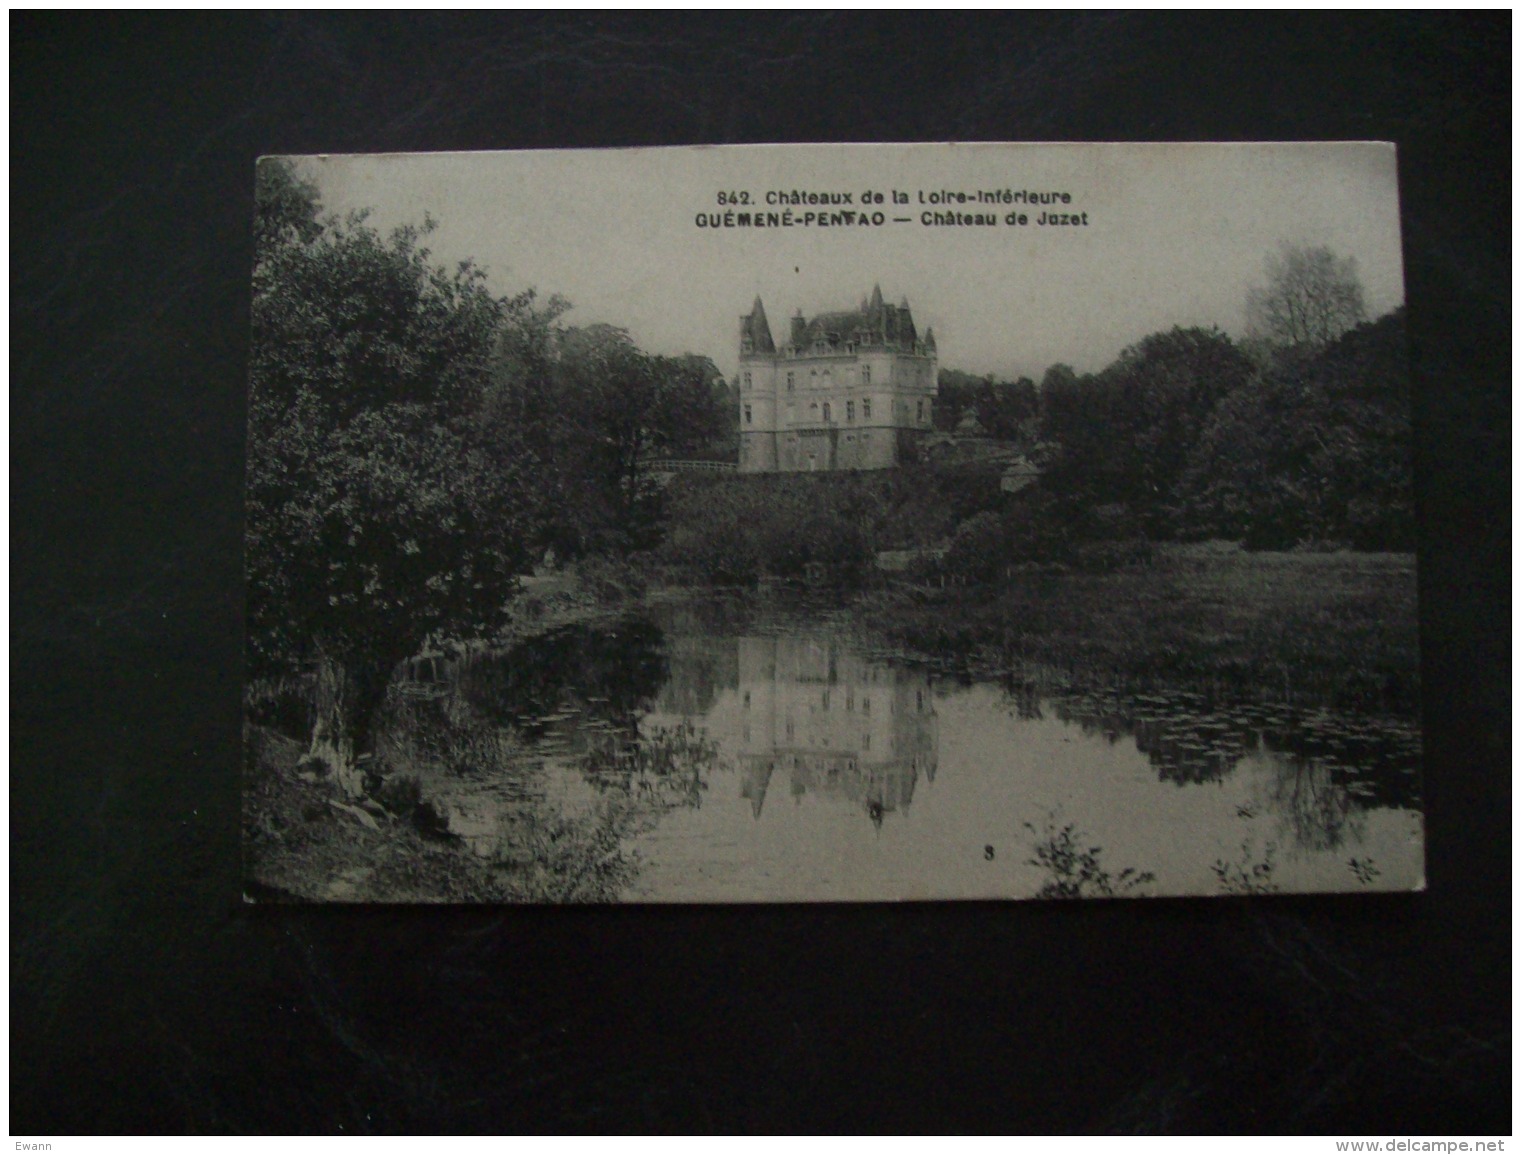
[416, 444]
[1296, 435]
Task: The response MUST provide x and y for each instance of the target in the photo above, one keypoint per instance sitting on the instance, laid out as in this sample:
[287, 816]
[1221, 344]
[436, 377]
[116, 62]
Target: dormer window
[747, 345]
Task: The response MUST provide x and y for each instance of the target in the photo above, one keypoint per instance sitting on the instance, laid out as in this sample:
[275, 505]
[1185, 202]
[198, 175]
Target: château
[849, 390]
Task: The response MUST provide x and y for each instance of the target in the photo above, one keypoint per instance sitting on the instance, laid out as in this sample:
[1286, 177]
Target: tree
[1313, 449]
[286, 206]
[1311, 298]
[380, 514]
[612, 408]
[1005, 410]
[1126, 433]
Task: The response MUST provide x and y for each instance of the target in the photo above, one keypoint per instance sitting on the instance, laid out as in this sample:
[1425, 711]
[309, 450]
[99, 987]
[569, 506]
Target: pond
[774, 756]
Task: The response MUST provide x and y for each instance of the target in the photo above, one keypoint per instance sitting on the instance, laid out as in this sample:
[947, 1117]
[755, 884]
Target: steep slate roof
[757, 329]
[883, 322]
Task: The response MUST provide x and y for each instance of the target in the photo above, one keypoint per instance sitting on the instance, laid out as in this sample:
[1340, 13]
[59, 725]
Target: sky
[1175, 234]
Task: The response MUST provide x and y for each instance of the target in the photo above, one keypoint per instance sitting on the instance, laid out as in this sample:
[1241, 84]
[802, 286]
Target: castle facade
[850, 390]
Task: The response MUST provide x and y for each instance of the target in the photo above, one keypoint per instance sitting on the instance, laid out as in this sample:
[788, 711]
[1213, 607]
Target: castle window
[747, 378]
[866, 410]
[747, 415]
[813, 411]
[865, 374]
[747, 346]
[790, 376]
[921, 409]
[826, 411]
[850, 411]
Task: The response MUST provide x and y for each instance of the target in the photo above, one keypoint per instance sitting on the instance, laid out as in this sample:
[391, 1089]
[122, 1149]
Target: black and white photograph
[535, 610]
[830, 523]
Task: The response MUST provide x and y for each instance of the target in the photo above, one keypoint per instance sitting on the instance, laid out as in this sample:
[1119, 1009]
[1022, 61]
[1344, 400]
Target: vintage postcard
[830, 523]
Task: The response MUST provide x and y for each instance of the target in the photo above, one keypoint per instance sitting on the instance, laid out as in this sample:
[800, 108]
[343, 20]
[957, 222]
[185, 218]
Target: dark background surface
[144, 997]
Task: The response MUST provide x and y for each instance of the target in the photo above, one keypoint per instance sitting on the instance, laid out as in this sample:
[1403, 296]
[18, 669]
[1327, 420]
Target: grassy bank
[305, 841]
[1336, 628]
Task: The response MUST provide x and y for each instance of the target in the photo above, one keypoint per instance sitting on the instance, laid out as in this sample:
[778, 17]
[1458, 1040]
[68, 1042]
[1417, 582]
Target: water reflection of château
[834, 724]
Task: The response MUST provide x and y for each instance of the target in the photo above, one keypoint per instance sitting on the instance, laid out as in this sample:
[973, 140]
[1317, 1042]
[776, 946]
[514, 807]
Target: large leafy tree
[384, 506]
[600, 411]
[1004, 409]
[1126, 433]
[1314, 448]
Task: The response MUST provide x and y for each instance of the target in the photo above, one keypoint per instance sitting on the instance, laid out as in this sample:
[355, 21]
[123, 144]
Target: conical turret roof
[757, 329]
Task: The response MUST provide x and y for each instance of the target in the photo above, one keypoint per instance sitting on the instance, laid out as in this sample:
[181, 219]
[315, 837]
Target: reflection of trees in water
[717, 616]
[701, 668]
[1185, 742]
[1025, 696]
[603, 671]
[660, 770]
[1189, 739]
[1377, 762]
[1324, 773]
[1313, 806]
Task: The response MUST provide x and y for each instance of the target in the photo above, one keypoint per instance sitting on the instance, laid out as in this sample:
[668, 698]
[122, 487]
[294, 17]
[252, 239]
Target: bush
[1109, 556]
[1034, 528]
[736, 530]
